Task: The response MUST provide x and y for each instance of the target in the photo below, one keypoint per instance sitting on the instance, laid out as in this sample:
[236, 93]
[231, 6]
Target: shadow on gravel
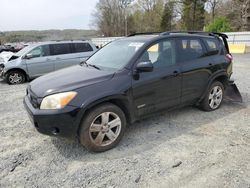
[150, 133]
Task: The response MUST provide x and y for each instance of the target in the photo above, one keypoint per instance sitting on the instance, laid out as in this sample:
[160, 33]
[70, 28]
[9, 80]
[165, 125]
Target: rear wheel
[15, 77]
[214, 97]
[102, 128]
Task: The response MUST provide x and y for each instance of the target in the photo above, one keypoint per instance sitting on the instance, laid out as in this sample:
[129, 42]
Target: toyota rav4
[127, 80]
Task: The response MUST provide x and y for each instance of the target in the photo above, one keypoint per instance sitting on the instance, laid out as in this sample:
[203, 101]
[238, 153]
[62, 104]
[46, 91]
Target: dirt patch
[182, 148]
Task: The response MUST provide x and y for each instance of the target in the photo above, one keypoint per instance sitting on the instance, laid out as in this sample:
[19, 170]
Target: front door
[161, 88]
[40, 61]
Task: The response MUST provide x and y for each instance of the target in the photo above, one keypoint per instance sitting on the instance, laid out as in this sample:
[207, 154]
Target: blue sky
[45, 14]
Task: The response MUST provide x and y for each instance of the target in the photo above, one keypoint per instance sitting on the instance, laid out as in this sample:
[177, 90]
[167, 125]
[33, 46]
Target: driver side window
[40, 51]
[161, 54]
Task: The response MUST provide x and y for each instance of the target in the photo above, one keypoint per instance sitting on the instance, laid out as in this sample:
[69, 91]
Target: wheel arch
[221, 77]
[119, 100]
[20, 70]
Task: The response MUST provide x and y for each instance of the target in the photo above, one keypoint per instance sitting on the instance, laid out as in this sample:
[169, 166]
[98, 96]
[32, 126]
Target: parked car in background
[41, 58]
[6, 48]
[130, 79]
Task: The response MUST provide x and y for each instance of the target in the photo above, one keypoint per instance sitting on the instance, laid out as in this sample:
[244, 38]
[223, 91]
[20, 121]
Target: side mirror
[145, 66]
[28, 56]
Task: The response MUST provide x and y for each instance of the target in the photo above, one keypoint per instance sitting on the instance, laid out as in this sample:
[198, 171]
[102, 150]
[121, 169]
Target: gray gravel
[182, 148]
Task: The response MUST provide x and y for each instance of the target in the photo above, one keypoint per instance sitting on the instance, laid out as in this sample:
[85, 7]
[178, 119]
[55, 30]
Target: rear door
[195, 67]
[41, 61]
[161, 88]
[63, 55]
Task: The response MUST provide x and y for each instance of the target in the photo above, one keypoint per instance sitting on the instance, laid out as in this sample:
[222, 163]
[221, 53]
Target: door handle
[58, 58]
[48, 59]
[176, 73]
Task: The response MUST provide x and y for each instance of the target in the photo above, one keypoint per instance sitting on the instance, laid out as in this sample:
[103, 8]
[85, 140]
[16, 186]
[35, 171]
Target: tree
[167, 16]
[246, 14]
[110, 18]
[220, 24]
[193, 17]
[237, 12]
[213, 5]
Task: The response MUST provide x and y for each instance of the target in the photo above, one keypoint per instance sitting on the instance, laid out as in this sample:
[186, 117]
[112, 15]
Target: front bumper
[63, 123]
[2, 72]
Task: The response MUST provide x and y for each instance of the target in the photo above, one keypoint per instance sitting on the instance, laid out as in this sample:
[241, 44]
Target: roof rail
[145, 33]
[182, 32]
[196, 32]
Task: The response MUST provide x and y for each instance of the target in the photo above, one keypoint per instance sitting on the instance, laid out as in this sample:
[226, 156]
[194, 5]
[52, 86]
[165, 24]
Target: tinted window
[212, 46]
[161, 54]
[82, 47]
[58, 49]
[190, 49]
[40, 51]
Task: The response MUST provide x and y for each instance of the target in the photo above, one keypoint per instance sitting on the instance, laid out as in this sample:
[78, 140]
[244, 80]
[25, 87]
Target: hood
[5, 56]
[68, 79]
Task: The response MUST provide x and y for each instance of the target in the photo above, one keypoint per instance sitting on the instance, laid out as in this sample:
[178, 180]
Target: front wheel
[102, 128]
[15, 77]
[214, 97]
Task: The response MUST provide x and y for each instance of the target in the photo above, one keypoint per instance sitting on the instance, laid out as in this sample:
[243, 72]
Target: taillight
[229, 57]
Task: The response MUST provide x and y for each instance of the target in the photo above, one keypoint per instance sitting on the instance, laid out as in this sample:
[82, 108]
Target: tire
[96, 133]
[15, 77]
[214, 97]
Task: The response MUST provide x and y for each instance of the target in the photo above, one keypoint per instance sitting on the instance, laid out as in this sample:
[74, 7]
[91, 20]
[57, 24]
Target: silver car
[41, 58]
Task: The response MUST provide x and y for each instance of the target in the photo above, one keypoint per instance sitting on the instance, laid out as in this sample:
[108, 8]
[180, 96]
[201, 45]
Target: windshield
[24, 51]
[115, 55]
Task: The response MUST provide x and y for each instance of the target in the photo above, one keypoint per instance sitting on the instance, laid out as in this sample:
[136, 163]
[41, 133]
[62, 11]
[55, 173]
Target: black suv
[127, 80]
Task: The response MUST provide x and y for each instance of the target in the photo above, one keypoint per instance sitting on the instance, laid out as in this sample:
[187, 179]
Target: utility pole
[124, 5]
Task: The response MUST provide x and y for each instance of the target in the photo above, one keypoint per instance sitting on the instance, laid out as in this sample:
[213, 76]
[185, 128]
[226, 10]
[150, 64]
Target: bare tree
[245, 11]
[213, 5]
[109, 17]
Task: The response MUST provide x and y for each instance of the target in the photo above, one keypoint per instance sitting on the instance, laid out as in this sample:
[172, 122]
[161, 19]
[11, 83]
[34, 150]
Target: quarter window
[161, 54]
[212, 46]
[59, 49]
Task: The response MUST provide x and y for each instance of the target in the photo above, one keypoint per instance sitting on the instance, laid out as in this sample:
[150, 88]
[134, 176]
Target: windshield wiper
[96, 67]
[87, 64]
[84, 63]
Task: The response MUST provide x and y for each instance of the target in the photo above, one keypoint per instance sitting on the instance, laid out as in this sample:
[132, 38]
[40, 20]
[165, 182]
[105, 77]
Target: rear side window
[212, 46]
[82, 47]
[58, 49]
[189, 49]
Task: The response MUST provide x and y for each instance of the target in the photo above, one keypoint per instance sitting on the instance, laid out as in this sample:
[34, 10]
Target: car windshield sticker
[137, 45]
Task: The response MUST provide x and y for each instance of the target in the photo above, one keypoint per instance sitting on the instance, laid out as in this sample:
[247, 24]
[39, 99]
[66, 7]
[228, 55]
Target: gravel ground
[182, 148]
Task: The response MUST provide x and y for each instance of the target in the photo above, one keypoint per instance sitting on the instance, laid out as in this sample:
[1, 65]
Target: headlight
[57, 101]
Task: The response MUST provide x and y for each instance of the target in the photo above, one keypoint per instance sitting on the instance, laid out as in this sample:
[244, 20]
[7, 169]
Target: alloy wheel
[215, 97]
[105, 129]
[15, 78]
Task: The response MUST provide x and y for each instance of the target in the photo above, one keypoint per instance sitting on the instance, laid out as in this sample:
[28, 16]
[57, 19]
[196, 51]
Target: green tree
[220, 24]
[167, 16]
[193, 17]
